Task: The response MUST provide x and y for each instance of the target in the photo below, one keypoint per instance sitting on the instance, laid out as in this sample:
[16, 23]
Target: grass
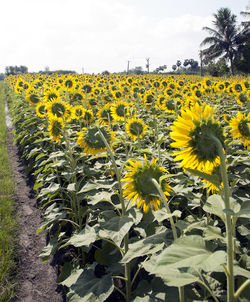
[7, 217]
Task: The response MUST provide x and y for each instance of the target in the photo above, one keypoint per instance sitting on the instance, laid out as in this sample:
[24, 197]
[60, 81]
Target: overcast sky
[98, 35]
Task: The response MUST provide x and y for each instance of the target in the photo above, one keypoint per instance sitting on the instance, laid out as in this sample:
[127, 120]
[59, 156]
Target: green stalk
[126, 238]
[159, 189]
[229, 228]
[240, 290]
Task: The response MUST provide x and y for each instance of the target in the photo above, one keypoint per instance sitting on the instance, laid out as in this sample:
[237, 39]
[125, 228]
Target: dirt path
[36, 280]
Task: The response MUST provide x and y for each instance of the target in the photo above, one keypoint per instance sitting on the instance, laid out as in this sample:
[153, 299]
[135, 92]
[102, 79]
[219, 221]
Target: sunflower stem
[229, 227]
[159, 189]
[126, 238]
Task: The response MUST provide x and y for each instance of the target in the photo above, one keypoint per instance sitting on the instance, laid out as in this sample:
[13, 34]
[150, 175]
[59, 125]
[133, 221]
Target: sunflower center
[136, 128]
[170, 105]
[68, 83]
[143, 182]
[244, 128]
[34, 98]
[52, 96]
[202, 143]
[58, 109]
[121, 110]
[42, 109]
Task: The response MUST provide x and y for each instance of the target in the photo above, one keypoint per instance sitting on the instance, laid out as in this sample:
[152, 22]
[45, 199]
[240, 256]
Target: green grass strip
[7, 216]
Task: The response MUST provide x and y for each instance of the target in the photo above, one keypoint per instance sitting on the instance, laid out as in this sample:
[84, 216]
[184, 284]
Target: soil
[36, 281]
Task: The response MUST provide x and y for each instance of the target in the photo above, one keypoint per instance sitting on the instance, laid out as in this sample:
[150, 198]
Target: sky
[92, 36]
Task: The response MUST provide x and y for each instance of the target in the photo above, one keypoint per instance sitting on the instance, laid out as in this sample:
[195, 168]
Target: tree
[225, 38]
[174, 67]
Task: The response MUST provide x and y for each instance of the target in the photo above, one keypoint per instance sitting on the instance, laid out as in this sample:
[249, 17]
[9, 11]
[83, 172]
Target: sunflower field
[143, 182]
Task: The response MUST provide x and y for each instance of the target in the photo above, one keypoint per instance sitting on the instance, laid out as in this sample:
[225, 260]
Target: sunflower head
[91, 141]
[55, 128]
[40, 110]
[139, 187]
[57, 108]
[135, 128]
[241, 128]
[32, 97]
[119, 110]
[193, 132]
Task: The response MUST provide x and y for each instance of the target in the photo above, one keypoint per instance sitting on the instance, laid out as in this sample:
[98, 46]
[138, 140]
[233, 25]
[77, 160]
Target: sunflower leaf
[84, 286]
[215, 205]
[211, 178]
[147, 246]
[116, 228]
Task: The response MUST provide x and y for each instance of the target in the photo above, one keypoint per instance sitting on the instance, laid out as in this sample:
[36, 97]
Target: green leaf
[189, 251]
[212, 233]
[163, 214]
[211, 178]
[84, 239]
[215, 205]
[174, 277]
[116, 228]
[244, 211]
[86, 287]
[147, 246]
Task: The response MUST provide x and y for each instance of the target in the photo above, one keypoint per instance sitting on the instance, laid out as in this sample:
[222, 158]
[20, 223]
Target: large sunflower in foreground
[91, 141]
[194, 132]
[135, 128]
[241, 128]
[139, 186]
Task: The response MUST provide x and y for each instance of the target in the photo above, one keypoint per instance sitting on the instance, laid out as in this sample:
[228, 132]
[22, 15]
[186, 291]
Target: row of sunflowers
[177, 147]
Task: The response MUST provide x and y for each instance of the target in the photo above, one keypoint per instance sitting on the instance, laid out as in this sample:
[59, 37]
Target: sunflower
[135, 128]
[91, 141]
[51, 94]
[55, 128]
[88, 116]
[40, 110]
[193, 132]
[139, 186]
[57, 108]
[78, 112]
[32, 96]
[119, 110]
[104, 115]
[241, 128]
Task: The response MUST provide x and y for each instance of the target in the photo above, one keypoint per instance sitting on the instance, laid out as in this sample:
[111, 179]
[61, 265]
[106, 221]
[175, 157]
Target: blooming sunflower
[55, 128]
[32, 97]
[135, 128]
[40, 110]
[241, 128]
[78, 112]
[139, 186]
[57, 108]
[91, 141]
[193, 132]
[104, 115]
[119, 110]
[51, 94]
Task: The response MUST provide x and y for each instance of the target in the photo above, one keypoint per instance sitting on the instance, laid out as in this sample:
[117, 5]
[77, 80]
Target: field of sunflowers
[143, 182]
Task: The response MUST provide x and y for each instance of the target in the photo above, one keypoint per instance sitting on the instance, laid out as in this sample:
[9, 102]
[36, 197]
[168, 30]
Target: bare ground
[37, 281]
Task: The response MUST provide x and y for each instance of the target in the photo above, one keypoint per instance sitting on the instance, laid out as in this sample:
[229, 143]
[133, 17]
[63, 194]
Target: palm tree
[226, 37]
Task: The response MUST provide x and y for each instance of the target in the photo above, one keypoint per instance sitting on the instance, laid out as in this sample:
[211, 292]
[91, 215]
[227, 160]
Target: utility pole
[147, 65]
[128, 67]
